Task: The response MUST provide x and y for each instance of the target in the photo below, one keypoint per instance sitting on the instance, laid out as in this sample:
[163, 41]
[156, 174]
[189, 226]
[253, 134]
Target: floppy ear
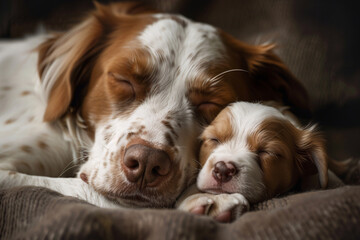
[311, 156]
[66, 60]
[270, 79]
[273, 77]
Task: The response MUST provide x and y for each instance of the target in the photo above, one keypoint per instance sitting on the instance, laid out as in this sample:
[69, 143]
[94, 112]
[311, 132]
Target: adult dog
[124, 95]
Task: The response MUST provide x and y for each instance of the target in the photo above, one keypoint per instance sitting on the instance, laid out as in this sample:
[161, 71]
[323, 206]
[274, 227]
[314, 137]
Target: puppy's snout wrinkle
[145, 165]
[223, 172]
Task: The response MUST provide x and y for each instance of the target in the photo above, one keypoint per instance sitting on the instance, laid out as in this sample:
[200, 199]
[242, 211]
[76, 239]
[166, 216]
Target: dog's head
[258, 151]
[144, 83]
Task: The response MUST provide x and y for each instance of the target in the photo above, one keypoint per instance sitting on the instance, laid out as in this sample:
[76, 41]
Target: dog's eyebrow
[137, 69]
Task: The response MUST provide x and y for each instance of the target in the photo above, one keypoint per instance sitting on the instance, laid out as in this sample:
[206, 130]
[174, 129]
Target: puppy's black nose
[223, 172]
[144, 165]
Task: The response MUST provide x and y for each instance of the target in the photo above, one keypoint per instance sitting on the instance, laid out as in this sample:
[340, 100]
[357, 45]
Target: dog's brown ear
[270, 79]
[121, 8]
[64, 64]
[65, 60]
[311, 155]
[274, 78]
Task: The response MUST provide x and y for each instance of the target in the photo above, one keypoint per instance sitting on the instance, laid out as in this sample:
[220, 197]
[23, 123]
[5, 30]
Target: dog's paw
[223, 207]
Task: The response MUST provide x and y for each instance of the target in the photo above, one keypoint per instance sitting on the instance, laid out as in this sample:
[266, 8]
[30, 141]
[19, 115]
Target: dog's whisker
[68, 168]
[218, 76]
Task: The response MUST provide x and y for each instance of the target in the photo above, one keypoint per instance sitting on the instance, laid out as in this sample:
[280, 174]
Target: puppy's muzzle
[146, 166]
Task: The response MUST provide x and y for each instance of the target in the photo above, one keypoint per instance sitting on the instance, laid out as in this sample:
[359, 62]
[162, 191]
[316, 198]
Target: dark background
[319, 40]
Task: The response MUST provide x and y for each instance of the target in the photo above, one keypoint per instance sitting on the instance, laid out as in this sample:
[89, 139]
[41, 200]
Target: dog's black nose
[223, 172]
[144, 165]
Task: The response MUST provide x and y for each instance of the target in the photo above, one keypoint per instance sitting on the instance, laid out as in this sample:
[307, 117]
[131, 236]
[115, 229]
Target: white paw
[223, 207]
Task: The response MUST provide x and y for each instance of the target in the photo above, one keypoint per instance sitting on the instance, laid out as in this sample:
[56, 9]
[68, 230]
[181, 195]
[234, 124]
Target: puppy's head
[144, 83]
[259, 152]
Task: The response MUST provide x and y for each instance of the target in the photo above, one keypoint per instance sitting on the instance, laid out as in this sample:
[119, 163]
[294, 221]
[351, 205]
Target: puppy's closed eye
[267, 157]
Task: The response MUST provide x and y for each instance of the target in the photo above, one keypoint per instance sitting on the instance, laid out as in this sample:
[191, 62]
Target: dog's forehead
[181, 48]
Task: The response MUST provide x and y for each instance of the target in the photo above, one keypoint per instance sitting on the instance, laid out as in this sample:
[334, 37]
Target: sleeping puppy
[252, 152]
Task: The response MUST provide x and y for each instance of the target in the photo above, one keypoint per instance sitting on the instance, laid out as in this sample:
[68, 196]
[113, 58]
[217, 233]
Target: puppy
[252, 152]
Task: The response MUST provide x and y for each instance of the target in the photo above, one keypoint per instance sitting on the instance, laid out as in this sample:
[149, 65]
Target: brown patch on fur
[10, 120]
[25, 93]
[11, 173]
[86, 48]
[40, 166]
[219, 131]
[26, 148]
[179, 21]
[6, 88]
[112, 155]
[286, 154]
[169, 140]
[168, 125]
[135, 133]
[94, 175]
[209, 97]
[42, 145]
[130, 135]
[121, 80]
[107, 137]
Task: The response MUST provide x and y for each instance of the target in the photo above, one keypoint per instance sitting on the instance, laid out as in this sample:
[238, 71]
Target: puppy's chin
[251, 189]
[220, 188]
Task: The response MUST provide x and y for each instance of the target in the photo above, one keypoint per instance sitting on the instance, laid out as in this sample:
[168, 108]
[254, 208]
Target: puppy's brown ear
[311, 155]
[66, 60]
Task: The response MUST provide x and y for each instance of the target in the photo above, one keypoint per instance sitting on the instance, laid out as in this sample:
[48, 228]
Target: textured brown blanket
[38, 213]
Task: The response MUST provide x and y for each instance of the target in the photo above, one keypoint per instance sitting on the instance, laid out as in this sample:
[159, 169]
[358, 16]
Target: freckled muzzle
[152, 176]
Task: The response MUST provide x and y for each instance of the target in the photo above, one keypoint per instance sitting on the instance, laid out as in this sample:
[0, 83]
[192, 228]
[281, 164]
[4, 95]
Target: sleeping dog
[252, 152]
